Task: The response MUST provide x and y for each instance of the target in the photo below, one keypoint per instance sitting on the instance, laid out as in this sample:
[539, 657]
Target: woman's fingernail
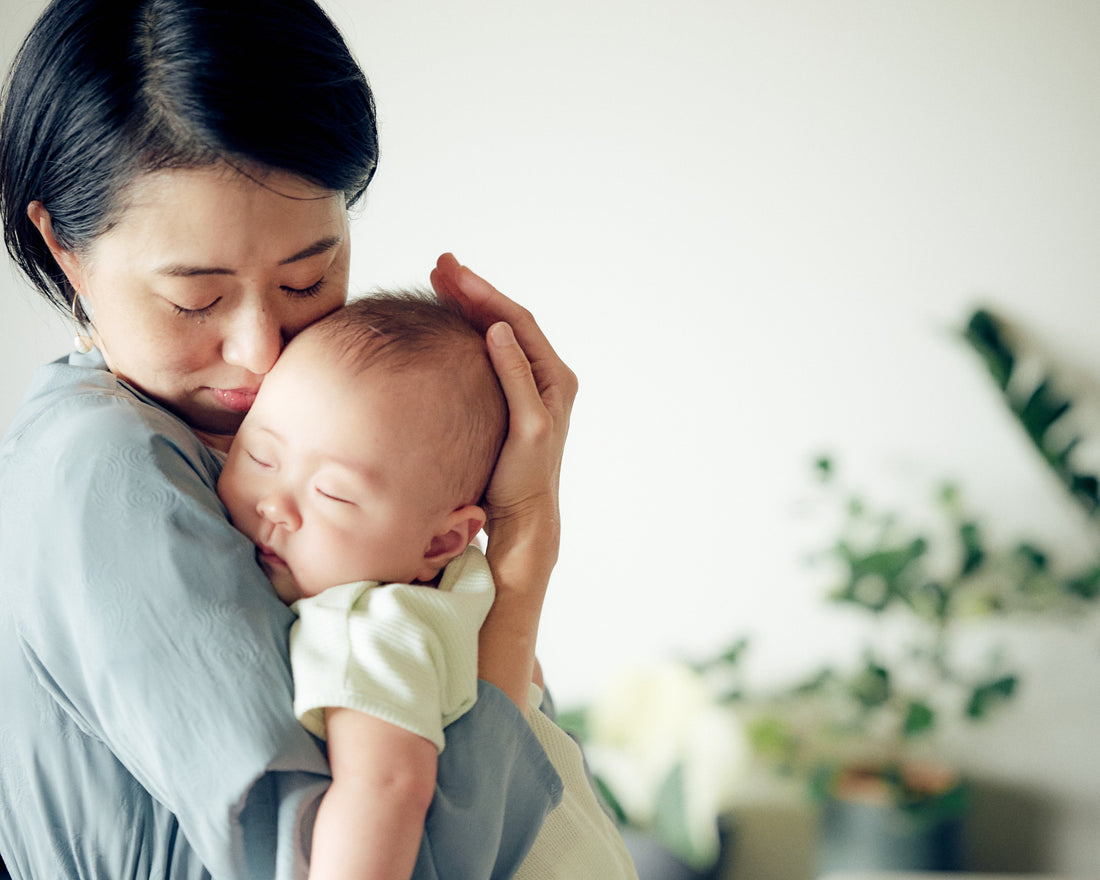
[501, 334]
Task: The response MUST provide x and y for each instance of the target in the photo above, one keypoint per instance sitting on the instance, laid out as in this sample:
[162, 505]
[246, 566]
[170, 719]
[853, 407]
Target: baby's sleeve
[406, 654]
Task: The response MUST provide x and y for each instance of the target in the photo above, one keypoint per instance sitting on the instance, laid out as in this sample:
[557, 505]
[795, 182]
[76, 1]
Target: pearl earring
[82, 342]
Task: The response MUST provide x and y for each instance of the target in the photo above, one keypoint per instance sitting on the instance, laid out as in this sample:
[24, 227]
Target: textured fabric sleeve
[467, 833]
[153, 628]
[579, 837]
[405, 654]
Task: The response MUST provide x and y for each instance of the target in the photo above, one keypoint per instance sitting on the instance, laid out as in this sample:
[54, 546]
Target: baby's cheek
[338, 557]
[314, 570]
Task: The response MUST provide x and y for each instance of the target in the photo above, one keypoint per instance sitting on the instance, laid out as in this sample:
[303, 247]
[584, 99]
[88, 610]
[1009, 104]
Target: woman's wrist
[522, 551]
[523, 545]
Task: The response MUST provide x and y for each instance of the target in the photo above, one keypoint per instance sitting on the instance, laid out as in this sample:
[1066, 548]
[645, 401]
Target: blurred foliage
[1039, 407]
[918, 583]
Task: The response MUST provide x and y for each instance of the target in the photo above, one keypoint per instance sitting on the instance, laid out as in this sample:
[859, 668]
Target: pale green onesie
[408, 654]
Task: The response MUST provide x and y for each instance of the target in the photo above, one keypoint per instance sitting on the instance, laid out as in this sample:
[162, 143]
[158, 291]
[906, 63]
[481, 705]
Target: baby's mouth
[269, 558]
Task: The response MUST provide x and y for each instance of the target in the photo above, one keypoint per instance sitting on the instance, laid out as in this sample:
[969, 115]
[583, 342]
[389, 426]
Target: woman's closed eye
[195, 313]
[293, 292]
[305, 292]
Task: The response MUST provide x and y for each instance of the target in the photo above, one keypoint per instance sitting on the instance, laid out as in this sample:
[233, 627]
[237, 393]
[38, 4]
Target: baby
[359, 473]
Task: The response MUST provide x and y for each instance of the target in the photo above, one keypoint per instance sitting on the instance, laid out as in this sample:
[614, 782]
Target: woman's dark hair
[105, 90]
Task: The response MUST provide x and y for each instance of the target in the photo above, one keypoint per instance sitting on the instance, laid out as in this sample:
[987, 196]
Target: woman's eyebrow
[318, 247]
[179, 270]
[182, 270]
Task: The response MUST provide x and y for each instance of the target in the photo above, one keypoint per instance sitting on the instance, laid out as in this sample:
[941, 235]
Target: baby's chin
[283, 581]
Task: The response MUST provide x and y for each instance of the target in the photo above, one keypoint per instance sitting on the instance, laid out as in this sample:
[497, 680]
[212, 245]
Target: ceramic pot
[870, 826]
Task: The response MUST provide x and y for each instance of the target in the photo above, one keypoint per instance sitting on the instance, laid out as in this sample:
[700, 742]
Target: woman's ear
[454, 535]
[64, 257]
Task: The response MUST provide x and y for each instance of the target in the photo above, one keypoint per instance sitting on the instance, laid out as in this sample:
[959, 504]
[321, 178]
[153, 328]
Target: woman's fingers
[442, 278]
[475, 295]
[485, 305]
[527, 413]
[526, 474]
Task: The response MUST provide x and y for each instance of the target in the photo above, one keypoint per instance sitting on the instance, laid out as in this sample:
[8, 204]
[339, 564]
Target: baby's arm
[371, 818]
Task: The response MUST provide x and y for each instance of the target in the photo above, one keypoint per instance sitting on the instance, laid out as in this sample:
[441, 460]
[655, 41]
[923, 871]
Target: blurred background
[756, 230]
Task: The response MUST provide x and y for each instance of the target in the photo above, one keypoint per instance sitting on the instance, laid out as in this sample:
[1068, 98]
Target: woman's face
[207, 274]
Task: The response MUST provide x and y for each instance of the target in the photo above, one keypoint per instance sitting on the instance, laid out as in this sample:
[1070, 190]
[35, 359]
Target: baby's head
[369, 446]
[411, 335]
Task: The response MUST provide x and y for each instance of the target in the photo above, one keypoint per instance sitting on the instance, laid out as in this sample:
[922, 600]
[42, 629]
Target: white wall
[750, 228]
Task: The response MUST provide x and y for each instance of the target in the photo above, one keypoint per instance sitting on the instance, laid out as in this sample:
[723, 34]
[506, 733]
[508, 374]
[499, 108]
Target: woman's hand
[540, 389]
[522, 499]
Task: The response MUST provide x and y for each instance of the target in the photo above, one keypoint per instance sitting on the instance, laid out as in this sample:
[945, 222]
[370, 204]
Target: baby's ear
[454, 536]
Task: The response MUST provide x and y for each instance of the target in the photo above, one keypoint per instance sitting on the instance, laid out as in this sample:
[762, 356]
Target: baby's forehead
[423, 384]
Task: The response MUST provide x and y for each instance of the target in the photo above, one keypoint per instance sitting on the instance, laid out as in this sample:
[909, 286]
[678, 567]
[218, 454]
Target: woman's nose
[279, 508]
[255, 340]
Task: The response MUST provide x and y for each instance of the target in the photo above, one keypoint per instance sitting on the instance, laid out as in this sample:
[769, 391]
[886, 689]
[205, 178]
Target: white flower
[659, 720]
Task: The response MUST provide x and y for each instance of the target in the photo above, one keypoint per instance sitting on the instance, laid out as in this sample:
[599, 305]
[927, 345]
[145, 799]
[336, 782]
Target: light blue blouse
[145, 691]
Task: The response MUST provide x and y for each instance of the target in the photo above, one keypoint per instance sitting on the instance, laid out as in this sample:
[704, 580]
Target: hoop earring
[82, 342]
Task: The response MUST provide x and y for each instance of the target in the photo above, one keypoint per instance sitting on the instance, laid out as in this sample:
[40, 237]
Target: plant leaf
[1086, 488]
[822, 781]
[772, 739]
[919, 718]
[983, 332]
[1041, 410]
[732, 655]
[670, 822]
[884, 566]
[871, 687]
[988, 696]
[609, 799]
[574, 721]
[1037, 412]
[1086, 585]
[973, 550]
[1032, 556]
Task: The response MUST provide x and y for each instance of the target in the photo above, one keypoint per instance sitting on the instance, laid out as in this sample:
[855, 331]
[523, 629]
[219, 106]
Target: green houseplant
[865, 731]
[863, 728]
[920, 583]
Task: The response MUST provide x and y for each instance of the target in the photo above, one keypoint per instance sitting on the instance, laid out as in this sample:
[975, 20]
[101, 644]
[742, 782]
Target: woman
[177, 175]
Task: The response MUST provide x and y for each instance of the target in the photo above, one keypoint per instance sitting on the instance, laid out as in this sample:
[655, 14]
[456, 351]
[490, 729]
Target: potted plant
[860, 733]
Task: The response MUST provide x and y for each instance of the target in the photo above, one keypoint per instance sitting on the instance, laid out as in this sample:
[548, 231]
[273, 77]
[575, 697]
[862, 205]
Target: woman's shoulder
[83, 412]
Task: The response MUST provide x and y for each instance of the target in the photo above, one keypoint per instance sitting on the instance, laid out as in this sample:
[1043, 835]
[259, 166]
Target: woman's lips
[237, 400]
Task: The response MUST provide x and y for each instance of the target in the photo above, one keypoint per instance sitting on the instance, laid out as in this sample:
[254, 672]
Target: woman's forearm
[506, 647]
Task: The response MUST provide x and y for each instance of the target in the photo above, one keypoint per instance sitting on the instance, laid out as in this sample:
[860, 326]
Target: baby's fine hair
[412, 330]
